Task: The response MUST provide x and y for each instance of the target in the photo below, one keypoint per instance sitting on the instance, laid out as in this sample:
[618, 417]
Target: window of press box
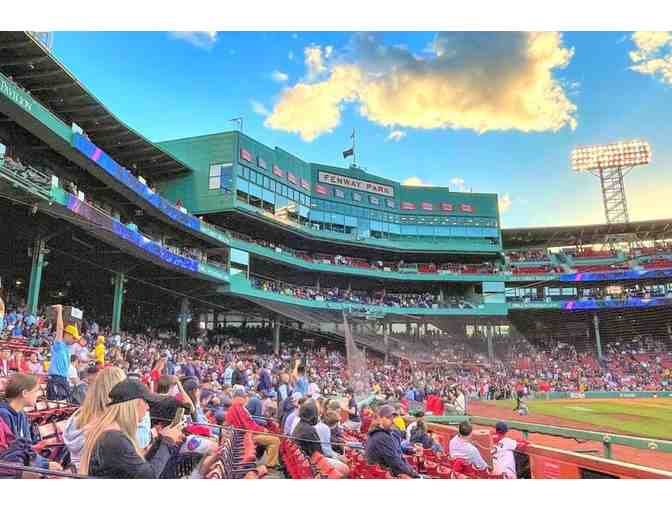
[220, 177]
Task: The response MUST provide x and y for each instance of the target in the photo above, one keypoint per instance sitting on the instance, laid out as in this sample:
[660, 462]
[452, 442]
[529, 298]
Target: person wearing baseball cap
[58, 386]
[503, 456]
[111, 449]
[383, 448]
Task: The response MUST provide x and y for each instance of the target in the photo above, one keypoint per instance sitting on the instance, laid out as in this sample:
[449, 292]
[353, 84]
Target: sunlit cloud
[483, 81]
[395, 136]
[259, 108]
[653, 55]
[414, 181]
[504, 203]
[204, 40]
[457, 184]
[279, 76]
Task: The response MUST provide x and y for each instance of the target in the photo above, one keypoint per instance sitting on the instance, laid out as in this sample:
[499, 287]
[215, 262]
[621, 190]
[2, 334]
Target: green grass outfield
[647, 417]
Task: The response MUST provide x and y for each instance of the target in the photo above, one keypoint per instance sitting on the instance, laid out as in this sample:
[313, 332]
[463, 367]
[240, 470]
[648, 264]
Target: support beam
[598, 340]
[119, 281]
[276, 337]
[184, 320]
[491, 349]
[39, 251]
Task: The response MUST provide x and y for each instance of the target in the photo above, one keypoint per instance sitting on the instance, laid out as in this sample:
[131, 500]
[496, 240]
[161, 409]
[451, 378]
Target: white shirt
[503, 460]
[459, 403]
[461, 449]
[73, 376]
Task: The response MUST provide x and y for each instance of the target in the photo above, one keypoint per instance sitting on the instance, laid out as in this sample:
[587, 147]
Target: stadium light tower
[612, 162]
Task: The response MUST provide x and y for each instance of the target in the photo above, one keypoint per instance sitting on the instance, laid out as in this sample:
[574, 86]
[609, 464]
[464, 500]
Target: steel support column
[37, 266]
[184, 323]
[276, 337]
[598, 340]
[119, 281]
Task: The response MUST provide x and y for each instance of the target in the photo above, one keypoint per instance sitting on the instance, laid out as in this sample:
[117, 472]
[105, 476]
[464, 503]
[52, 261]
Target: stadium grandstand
[294, 319]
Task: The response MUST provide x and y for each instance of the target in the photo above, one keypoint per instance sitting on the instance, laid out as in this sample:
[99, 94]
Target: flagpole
[354, 152]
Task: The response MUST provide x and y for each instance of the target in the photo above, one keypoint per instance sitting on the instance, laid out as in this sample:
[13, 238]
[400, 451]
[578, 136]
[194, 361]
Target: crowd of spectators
[306, 388]
[380, 298]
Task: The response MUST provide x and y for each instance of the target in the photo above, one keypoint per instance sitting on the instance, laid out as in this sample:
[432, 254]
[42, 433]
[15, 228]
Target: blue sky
[487, 112]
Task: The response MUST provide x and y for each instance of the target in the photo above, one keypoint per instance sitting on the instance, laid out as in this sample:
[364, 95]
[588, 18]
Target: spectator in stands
[238, 378]
[284, 389]
[2, 315]
[58, 387]
[22, 391]
[5, 357]
[111, 448]
[79, 390]
[237, 416]
[228, 375]
[384, 449]
[293, 418]
[304, 433]
[290, 405]
[420, 435]
[73, 372]
[324, 431]
[92, 408]
[460, 447]
[300, 379]
[157, 371]
[354, 421]
[100, 351]
[192, 388]
[503, 458]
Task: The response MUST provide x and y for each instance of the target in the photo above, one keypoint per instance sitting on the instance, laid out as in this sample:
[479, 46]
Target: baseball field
[642, 417]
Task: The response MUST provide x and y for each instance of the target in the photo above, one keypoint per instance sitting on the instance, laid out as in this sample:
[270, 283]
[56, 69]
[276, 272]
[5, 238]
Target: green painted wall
[199, 153]
[11, 92]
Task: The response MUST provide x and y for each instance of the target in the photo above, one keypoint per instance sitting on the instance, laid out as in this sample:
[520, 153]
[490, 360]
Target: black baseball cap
[130, 389]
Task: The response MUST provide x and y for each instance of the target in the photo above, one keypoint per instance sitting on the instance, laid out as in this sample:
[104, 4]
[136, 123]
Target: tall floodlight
[611, 163]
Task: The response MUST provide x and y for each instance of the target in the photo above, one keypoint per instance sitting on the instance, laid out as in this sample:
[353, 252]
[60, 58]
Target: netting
[358, 373]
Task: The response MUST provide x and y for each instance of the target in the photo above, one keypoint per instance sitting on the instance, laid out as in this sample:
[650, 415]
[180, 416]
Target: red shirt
[237, 416]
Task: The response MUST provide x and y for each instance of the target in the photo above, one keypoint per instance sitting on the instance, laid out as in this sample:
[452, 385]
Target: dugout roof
[33, 67]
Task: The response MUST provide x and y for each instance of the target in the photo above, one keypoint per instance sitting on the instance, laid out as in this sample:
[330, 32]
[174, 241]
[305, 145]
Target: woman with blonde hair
[93, 407]
[111, 449]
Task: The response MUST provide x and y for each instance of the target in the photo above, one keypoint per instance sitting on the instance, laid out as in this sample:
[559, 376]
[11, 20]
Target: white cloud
[204, 40]
[259, 108]
[653, 55]
[457, 184]
[279, 76]
[290, 55]
[314, 59]
[414, 181]
[504, 203]
[395, 135]
[482, 81]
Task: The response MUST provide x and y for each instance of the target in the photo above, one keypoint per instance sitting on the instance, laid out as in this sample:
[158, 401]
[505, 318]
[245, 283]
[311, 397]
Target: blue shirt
[60, 359]
[302, 386]
[228, 375]
[325, 439]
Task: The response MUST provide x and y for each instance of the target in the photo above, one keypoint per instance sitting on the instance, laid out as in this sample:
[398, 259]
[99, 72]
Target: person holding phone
[111, 449]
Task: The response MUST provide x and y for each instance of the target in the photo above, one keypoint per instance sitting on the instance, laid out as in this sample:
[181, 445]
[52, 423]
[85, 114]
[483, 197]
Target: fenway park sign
[349, 182]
